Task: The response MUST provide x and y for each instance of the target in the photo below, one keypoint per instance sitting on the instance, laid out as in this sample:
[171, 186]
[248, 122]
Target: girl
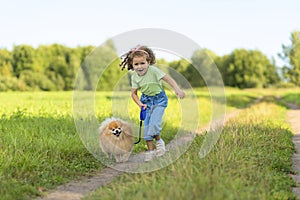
[148, 79]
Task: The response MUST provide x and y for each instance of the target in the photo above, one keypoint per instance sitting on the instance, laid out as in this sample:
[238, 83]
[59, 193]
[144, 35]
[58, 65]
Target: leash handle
[143, 113]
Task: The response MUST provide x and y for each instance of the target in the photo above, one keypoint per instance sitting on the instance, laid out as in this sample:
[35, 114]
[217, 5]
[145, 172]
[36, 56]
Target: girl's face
[140, 65]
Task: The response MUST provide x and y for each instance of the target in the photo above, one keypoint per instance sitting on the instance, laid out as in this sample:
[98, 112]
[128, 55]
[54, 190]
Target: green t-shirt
[150, 84]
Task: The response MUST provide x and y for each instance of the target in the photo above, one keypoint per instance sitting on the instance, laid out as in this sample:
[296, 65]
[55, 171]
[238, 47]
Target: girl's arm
[136, 98]
[179, 93]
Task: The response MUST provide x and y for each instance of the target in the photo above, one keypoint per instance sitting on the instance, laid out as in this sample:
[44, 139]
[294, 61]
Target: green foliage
[292, 97]
[201, 68]
[247, 69]
[291, 54]
[55, 67]
[37, 81]
[181, 68]
[6, 68]
[204, 60]
[100, 70]
[24, 59]
[11, 84]
[242, 68]
[59, 66]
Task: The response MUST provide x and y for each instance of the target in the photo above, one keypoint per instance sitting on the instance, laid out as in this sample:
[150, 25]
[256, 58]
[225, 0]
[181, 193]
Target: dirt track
[294, 119]
[75, 190]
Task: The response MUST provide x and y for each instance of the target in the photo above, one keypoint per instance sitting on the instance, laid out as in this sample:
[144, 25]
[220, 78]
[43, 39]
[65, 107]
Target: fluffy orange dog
[116, 138]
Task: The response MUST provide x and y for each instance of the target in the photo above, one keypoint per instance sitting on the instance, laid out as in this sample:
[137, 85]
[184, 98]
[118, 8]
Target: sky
[219, 25]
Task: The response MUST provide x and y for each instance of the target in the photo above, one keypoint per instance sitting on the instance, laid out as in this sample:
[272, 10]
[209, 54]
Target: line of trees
[242, 68]
[49, 67]
[54, 67]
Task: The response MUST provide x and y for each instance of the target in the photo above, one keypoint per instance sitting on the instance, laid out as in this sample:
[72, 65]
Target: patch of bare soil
[75, 190]
[294, 119]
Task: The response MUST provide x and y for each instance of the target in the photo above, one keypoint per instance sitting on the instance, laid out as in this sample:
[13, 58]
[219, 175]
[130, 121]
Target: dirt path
[76, 189]
[294, 119]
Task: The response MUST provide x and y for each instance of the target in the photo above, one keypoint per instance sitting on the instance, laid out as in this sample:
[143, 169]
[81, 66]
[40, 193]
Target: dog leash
[142, 118]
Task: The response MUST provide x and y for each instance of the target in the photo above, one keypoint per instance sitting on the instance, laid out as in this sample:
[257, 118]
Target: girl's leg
[154, 123]
[150, 145]
[157, 137]
[151, 153]
[155, 128]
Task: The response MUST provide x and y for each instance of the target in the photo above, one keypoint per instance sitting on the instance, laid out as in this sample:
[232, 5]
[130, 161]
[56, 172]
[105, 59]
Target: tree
[8, 81]
[180, 69]
[100, 69]
[60, 64]
[24, 58]
[36, 81]
[291, 54]
[203, 60]
[248, 69]
[6, 68]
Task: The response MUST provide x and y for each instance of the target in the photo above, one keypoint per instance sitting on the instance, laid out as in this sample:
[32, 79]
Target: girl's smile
[140, 65]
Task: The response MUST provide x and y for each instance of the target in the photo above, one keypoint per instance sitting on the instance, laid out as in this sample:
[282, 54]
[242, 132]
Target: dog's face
[115, 128]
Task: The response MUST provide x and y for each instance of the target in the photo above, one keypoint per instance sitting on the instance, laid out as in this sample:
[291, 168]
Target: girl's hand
[143, 105]
[180, 93]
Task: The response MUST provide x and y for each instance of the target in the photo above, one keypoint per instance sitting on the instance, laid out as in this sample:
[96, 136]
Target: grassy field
[40, 149]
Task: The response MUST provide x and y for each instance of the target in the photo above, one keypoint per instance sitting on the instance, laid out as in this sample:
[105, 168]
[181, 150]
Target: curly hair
[138, 51]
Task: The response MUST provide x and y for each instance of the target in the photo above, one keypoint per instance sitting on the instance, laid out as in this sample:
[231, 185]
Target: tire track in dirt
[293, 117]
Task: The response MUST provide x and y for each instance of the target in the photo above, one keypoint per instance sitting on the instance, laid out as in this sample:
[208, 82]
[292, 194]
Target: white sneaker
[160, 148]
[149, 156]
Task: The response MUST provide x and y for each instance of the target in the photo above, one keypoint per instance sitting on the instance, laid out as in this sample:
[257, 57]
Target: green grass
[292, 97]
[40, 148]
[39, 144]
[251, 160]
